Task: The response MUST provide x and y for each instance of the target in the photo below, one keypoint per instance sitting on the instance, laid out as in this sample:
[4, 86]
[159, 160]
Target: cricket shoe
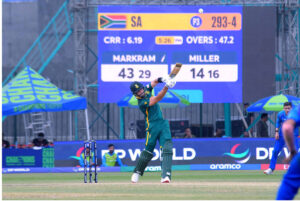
[268, 171]
[165, 180]
[135, 177]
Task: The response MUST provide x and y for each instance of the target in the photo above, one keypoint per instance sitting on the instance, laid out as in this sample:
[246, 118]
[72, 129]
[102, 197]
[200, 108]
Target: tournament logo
[79, 151]
[196, 21]
[113, 21]
[244, 156]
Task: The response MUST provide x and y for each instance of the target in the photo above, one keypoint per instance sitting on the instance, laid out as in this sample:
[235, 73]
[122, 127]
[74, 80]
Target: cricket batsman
[156, 127]
[291, 180]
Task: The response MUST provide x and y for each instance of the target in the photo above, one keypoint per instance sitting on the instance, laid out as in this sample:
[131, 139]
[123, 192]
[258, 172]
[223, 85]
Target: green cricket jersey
[110, 159]
[152, 113]
[156, 127]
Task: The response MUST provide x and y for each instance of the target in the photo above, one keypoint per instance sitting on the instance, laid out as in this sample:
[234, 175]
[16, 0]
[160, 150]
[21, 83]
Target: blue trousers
[279, 144]
[291, 181]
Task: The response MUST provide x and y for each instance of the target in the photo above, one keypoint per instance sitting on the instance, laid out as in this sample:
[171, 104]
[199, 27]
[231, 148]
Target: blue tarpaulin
[30, 92]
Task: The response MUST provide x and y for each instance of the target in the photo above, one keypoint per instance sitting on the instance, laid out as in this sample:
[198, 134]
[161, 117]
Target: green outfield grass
[186, 185]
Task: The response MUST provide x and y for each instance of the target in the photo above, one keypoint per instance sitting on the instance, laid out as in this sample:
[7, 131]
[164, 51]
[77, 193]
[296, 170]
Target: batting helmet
[135, 87]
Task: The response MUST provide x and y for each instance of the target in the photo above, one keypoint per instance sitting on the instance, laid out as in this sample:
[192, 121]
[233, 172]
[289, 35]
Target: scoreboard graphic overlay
[141, 43]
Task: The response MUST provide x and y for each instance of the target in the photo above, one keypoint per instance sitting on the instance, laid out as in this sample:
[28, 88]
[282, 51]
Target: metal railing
[44, 48]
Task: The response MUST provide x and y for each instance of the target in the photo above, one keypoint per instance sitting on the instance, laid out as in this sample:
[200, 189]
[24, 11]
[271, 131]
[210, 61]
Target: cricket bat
[175, 70]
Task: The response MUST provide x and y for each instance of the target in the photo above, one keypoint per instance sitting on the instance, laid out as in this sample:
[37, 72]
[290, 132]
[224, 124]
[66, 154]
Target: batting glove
[162, 79]
[170, 83]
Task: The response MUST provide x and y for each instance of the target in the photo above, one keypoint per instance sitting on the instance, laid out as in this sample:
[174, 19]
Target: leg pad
[167, 159]
[143, 161]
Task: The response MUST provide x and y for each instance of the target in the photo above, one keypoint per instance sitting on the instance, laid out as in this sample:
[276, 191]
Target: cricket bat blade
[175, 70]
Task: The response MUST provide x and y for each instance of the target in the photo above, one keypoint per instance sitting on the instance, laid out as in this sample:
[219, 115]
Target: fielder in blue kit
[291, 180]
[279, 139]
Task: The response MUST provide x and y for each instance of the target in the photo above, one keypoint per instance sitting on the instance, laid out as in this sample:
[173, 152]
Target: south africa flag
[113, 21]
